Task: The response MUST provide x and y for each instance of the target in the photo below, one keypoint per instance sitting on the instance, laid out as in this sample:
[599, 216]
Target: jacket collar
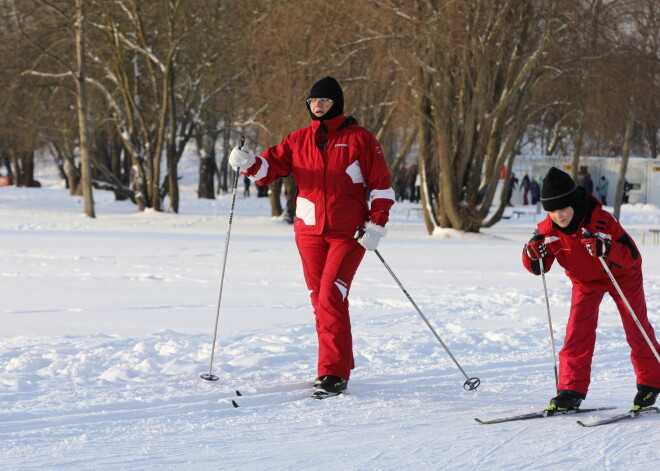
[333, 124]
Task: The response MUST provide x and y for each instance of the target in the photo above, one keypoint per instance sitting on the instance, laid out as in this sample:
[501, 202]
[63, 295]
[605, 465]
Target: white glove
[242, 158]
[369, 235]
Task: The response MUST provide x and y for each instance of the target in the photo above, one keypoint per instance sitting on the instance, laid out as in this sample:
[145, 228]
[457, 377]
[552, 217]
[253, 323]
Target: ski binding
[324, 395]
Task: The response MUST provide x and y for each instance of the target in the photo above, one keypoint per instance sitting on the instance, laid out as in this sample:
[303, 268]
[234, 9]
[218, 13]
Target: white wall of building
[642, 173]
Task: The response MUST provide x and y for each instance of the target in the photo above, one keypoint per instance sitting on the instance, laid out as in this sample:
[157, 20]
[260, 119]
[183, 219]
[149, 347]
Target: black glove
[596, 244]
[535, 248]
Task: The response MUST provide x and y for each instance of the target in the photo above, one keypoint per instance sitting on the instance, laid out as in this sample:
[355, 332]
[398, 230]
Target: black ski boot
[645, 397]
[566, 399]
[330, 385]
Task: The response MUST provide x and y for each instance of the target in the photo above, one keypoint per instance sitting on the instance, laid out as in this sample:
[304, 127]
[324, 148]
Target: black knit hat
[558, 191]
[328, 87]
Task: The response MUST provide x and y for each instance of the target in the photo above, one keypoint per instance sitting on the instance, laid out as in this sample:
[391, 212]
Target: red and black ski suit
[590, 283]
[336, 164]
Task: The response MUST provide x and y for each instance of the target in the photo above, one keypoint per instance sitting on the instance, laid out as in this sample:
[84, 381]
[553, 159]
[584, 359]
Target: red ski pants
[576, 355]
[329, 265]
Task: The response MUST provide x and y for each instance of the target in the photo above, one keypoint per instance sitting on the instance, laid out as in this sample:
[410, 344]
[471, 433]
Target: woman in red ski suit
[336, 165]
[561, 239]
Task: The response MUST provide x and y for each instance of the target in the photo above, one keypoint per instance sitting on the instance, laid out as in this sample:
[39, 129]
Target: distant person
[336, 164]
[601, 189]
[262, 190]
[626, 191]
[535, 190]
[513, 182]
[588, 184]
[411, 182]
[524, 187]
[570, 210]
[4, 160]
[400, 185]
[246, 187]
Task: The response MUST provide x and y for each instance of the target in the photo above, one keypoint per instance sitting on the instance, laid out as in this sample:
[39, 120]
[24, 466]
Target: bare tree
[621, 180]
[457, 87]
[474, 75]
[81, 108]
[75, 20]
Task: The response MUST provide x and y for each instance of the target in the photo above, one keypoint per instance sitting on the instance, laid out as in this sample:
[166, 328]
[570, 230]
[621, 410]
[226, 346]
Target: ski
[268, 399]
[278, 398]
[541, 414]
[633, 414]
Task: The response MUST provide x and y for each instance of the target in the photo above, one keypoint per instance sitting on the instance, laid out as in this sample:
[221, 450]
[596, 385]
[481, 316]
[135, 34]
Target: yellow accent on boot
[554, 407]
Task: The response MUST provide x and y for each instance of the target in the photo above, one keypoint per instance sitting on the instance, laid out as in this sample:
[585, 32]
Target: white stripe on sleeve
[384, 194]
[262, 172]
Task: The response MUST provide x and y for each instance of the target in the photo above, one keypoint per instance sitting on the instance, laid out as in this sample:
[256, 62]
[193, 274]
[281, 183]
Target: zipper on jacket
[323, 144]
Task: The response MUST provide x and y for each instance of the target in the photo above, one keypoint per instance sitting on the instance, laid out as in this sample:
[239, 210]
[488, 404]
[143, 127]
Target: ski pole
[587, 234]
[547, 305]
[471, 383]
[209, 376]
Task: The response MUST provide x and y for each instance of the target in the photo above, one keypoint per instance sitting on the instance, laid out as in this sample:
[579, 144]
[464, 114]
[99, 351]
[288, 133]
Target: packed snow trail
[101, 370]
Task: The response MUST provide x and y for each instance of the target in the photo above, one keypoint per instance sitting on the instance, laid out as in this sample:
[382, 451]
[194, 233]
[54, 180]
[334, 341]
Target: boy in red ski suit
[561, 238]
[336, 165]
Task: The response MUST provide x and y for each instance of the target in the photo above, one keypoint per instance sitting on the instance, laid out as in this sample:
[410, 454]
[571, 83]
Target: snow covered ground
[106, 324]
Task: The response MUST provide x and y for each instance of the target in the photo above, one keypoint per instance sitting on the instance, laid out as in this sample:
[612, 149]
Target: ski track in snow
[107, 324]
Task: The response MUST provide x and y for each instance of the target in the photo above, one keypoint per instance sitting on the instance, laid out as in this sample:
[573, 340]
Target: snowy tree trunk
[81, 101]
[207, 165]
[624, 165]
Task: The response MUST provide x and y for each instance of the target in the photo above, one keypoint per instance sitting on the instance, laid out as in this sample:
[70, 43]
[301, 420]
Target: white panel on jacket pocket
[305, 210]
[355, 172]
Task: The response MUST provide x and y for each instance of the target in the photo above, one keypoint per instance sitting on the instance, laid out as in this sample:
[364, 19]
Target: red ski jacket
[336, 164]
[585, 271]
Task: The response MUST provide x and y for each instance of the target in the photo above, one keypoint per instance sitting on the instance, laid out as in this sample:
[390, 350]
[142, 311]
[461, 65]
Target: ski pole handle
[536, 236]
[586, 234]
